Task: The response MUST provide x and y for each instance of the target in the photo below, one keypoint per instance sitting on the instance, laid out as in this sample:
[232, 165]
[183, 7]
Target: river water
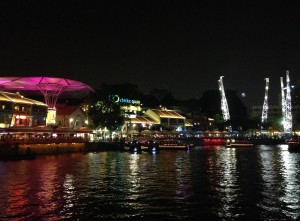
[206, 183]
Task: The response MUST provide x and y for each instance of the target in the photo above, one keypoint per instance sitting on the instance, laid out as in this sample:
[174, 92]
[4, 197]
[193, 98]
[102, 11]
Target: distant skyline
[180, 46]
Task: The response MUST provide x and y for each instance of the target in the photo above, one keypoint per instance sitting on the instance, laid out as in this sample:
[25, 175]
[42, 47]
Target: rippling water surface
[208, 183]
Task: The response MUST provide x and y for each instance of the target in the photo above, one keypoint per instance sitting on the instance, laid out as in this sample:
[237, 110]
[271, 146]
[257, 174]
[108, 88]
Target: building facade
[70, 116]
[273, 110]
[16, 110]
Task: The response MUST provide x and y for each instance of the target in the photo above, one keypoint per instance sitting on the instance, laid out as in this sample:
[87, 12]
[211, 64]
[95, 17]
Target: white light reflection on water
[183, 177]
[69, 196]
[228, 186]
[134, 172]
[213, 184]
[280, 187]
[223, 181]
[46, 193]
[291, 189]
[271, 165]
[134, 182]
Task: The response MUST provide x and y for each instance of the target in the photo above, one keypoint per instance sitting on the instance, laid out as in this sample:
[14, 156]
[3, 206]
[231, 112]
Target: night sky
[181, 46]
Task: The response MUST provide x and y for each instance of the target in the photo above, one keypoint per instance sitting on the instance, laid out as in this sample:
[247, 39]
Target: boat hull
[239, 143]
[172, 147]
[294, 147]
[165, 145]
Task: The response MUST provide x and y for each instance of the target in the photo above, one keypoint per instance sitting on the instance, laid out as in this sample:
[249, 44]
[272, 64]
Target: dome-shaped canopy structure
[33, 83]
[51, 87]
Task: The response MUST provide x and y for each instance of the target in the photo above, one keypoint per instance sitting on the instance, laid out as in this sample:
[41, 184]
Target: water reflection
[291, 184]
[47, 186]
[183, 177]
[226, 184]
[68, 196]
[134, 177]
[280, 186]
[16, 188]
[271, 173]
[217, 183]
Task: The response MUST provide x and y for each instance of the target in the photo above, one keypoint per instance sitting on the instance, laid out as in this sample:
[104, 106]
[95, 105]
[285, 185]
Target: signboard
[117, 99]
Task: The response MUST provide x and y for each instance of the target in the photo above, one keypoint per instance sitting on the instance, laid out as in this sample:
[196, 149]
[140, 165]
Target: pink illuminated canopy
[34, 83]
[51, 87]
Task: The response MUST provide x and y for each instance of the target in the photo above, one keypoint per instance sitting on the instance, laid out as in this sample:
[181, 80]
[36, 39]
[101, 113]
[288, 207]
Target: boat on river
[213, 141]
[293, 144]
[174, 144]
[157, 145]
[133, 146]
[239, 142]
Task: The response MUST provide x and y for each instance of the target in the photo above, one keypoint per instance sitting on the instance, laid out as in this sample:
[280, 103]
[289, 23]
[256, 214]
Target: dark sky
[181, 46]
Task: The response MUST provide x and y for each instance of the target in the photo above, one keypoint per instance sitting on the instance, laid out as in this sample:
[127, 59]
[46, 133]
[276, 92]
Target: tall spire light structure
[288, 112]
[224, 104]
[286, 104]
[264, 116]
[283, 102]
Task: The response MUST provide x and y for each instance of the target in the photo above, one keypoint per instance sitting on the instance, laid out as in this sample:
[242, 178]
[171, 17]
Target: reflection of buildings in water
[281, 190]
[223, 179]
[16, 187]
[47, 194]
[136, 184]
[69, 195]
[183, 177]
[271, 180]
[170, 181]
[291, 188]
[228, 185]
[134, 179]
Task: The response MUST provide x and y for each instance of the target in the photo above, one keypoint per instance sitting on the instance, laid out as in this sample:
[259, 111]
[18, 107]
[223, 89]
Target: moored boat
[293, 144]
[213, 141]
[133, 146]
[151, 146]
[239, 142]
[174, 144]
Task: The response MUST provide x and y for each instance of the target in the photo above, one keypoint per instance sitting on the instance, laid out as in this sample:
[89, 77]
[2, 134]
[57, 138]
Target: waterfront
[210, 183]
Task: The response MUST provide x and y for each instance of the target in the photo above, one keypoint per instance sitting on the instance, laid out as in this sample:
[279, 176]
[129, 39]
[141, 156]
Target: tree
[164, 97]
[210, 103]
[275, 122]
[106, 114]
[219, 121]
[237, 109]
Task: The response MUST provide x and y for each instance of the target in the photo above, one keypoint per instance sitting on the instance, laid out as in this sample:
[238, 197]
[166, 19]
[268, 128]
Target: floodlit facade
[167, 118]
[70, 116]
[16, 111]
[50, 87]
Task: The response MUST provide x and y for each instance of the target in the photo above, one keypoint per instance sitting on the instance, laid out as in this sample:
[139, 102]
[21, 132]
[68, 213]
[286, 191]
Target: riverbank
[26, 150]
[16, 151]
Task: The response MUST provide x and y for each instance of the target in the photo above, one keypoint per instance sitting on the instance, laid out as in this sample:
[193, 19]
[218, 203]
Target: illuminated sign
[21, 117]
[116, 99]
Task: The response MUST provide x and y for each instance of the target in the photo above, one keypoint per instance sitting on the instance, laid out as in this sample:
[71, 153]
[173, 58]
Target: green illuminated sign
[116, 99]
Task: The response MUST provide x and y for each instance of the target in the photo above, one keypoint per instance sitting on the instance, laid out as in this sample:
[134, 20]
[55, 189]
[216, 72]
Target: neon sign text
[116, 99]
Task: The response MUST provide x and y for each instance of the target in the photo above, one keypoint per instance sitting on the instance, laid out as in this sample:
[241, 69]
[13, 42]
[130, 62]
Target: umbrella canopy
[35, 83]
[51, 87]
